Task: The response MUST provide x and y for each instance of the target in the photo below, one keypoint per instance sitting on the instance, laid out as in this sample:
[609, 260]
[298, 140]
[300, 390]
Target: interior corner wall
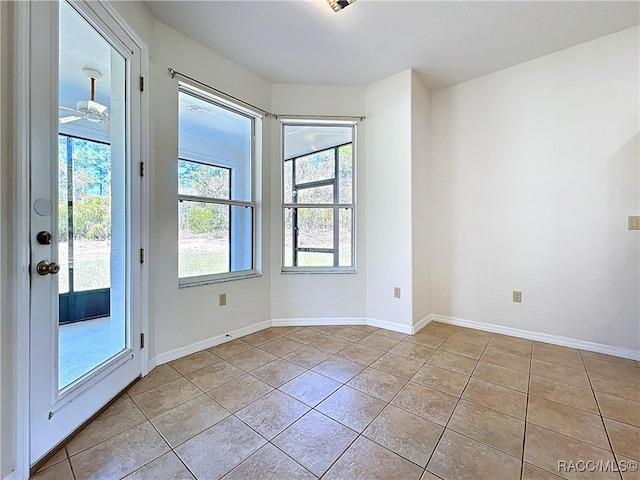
[534, 171]
[316, 296]
[8, 400]
[420, 231]
[388, 199]
[184, 316]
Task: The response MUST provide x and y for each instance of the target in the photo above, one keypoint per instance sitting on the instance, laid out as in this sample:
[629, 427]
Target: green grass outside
[193, 264]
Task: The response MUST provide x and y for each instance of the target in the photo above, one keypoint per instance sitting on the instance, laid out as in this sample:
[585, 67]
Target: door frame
[22, 211]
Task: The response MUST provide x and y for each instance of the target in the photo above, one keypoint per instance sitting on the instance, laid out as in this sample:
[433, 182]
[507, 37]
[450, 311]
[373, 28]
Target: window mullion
[336, 211]
[294, 216]
[218, 201]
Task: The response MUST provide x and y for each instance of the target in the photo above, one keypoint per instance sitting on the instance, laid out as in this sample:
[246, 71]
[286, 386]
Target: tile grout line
[73, 473]
[361, 434]
[317, 411]
[526, 413]
[493, 410]
[270, 442]
[457, 403]
[606, 432]
[387, 403]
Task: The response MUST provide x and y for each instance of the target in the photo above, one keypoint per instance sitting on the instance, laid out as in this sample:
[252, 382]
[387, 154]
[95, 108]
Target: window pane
[319, 166]
[300, 140]
[241, 238]
[316, 195]
[346, 174]
[288, 238]
[203, 239]
[315, 259]
[211, 134]
[202, 180]
[287, 187]
[346, 227]
[315, 227]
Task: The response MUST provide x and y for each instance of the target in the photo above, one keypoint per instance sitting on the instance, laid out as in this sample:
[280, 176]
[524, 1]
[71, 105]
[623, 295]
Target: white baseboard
[307, 322]
[208, 343]
[374, 322]
[395, 327]
[423, 322]
[541, 337]
[283, 322]
[153, 363]
[407, 329]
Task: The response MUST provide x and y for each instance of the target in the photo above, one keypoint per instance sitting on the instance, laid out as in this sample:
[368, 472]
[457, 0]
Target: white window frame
[336, 206]
[256, 126]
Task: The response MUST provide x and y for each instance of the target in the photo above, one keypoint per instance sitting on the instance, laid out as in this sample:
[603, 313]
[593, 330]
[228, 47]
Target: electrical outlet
[396, 292]
[517, 296]
[634, 223]
[222, 299]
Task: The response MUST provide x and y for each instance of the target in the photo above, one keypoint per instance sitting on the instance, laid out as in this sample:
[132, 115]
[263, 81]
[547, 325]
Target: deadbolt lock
[44, 238]
[46, 268]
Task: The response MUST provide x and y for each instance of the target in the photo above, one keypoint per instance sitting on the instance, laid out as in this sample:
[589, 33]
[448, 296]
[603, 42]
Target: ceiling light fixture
[92, 110]
[338, 5]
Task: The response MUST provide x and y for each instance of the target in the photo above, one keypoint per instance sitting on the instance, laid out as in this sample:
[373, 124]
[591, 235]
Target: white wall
[316, 295]
[7, 327]
[182, 316]
[388, 199]
[420, 228]
[534, 172]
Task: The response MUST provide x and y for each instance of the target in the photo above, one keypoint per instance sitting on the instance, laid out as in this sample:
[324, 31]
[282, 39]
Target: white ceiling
[304, 41]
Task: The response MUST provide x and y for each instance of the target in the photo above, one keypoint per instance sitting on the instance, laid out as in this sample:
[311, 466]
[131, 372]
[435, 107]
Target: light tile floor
[363, 403]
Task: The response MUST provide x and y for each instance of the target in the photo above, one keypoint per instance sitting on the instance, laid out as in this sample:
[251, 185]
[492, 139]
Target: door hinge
[142, 169]
[142, 340]
[142, 84]
[142, 255]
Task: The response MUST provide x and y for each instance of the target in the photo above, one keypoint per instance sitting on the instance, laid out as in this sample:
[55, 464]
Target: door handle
[46, 268]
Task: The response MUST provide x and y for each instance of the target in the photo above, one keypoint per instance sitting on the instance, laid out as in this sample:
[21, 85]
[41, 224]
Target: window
[318, 197]
[216, 205]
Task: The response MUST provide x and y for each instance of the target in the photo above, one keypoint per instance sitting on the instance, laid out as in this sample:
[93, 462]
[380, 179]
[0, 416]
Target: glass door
[91, 190]
[84, 328]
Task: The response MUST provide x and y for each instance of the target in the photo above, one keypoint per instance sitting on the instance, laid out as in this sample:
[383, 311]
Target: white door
[84, 124]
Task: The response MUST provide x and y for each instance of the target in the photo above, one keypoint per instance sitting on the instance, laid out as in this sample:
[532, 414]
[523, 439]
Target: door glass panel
[91, 199]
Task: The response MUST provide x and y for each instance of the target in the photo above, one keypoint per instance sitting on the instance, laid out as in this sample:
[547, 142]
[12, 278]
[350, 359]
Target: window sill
[207, 280]
[292, 271]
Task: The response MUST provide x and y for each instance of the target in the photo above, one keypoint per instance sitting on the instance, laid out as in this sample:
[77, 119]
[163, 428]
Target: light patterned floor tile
[406, 434]
[220, 448]
[459, 457]
[269, 463]
[306, 441]
[368, 460]
[271, 414]
[120, 455]
[351, 408]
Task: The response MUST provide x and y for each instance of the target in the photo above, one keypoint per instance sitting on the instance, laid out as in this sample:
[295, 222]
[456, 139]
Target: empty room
[337, 239]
